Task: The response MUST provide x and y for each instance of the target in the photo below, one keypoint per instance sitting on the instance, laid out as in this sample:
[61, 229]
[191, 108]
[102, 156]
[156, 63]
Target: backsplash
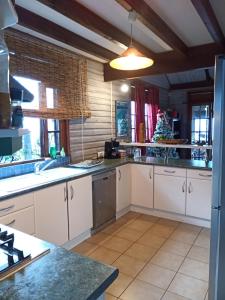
[26, 168]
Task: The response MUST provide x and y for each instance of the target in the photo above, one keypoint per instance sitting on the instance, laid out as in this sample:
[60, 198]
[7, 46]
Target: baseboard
[171, 216]
[122, 212]
[80, 238]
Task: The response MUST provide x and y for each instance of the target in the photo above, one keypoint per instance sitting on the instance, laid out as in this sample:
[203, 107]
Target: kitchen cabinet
[51, 220]
[199, 194]
[170, 192]
[123, 186]
[80, 206]
[142, 185]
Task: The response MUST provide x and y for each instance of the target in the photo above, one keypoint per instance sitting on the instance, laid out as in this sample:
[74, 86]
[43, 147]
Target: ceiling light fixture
[131, 59]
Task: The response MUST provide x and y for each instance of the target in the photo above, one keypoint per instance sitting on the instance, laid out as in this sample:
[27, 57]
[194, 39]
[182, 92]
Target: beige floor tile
[161, 230]
[189, 287]
[194, 268]
[140, 225]
[149, 218]
[184, 235]
[131, 215]
[176, 247]
[84, 248]
[129, 234]
[117, 244]
[157, 276]
[190, 227]
[119, 285]
[148, 239]
[167, 222]
[172, 296]
[203, 240]
[199, 253]
[105, 255]
[167, 260]
[141, 252]
[112, 228]
[98, 238]
[140, 290]
[129, 265]
[109, 297]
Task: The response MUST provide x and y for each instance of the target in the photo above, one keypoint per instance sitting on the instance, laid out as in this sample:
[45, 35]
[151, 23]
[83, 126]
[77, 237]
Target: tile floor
[157, 258]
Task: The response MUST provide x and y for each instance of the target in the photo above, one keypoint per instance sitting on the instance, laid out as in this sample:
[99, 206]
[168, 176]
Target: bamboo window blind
[55, 68]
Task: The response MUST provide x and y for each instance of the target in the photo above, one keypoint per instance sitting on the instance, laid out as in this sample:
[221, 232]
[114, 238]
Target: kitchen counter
[19, 185]
[60, 274]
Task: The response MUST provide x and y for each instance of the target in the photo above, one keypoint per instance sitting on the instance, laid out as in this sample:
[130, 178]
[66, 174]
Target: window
[147, 111]
[133, 121]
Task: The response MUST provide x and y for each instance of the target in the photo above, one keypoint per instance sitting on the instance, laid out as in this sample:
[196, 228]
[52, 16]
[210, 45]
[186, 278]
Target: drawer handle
[204, 175]
[10, 223]
[71, 192]
[65, 194]
[189, 188]
[7, 208]
[183, 187]
[170, 172]
[119, 175]
[150, 174]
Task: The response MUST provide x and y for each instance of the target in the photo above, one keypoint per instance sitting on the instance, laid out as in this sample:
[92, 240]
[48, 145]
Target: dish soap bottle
[62, 152]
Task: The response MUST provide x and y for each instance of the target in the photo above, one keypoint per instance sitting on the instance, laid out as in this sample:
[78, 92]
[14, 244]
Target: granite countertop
[108, 164]
[59, 274]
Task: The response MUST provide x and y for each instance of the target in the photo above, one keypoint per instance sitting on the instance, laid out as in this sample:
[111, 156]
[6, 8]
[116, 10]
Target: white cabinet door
[170, 193]
[51, 219]
[80, 206]
[142, 185]
[199, 198]
[123, 182]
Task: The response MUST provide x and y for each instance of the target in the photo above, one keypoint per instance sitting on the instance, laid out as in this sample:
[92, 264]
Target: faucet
[38, 169]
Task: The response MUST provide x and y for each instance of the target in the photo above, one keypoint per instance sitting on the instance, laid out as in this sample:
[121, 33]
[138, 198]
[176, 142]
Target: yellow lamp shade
[131, 59]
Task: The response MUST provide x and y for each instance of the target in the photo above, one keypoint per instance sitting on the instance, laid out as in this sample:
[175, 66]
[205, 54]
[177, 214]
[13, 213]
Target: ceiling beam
[85, 17]
[206, 13]
[169, 62]
[34, 22]
[150, 19]
[192, 85]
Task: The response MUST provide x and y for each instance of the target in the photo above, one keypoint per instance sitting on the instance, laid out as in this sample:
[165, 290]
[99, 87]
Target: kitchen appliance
[104, 199]
[112, 149]
[18, 250]
[217, 246]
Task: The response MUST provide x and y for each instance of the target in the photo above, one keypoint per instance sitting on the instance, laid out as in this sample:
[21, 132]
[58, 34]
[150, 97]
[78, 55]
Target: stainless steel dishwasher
[104, 199]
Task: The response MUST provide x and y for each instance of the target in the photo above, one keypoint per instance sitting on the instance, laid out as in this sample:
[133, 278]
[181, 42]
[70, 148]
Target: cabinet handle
[171, 172]
[7, 208]
[183, 187]
[150, 174]
[119, 175]
[204, 175]
[71, 192]
[65, 194]
[189, 188]
[10, 223]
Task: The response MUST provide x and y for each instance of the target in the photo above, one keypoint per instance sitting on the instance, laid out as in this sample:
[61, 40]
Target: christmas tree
[163, 129]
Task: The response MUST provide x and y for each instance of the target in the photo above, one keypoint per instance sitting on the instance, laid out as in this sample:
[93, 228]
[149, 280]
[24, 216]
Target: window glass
[133, 122]
[50, 97]
[53, 134]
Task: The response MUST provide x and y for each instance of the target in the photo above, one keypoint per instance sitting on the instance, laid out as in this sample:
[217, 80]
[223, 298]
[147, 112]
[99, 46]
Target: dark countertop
[109, 164]
[60, 274]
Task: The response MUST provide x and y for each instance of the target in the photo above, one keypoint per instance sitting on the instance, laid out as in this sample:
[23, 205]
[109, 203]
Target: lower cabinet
[123, 185]
[80, 206]
[170, 193]
[51, 220]
[199, 198]
[142, 185]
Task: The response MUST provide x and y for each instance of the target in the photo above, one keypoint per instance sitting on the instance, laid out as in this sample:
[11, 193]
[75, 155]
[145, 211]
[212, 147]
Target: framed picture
[122, 119]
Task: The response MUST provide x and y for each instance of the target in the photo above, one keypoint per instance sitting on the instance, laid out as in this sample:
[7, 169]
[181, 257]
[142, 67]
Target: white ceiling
[219, 9]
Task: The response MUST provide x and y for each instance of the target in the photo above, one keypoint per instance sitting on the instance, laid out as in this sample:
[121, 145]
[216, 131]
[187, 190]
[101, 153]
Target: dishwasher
[104, 199]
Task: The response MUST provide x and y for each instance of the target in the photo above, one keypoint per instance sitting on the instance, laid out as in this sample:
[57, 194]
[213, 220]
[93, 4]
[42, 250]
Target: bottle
[62, 152]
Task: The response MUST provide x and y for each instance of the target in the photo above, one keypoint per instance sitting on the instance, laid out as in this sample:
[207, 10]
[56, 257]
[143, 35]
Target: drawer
[16, 203]
[199, 174]
[170, 171]
[22, 220]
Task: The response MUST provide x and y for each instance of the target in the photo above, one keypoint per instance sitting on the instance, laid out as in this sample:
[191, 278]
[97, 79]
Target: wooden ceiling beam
[169, 62]
[192, 85]
[150, 19]
[39, 24]
[206, 13]
[85, 17]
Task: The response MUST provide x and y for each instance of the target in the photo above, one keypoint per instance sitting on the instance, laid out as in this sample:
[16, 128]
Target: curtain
[61, 70]
[139, 97]
[152, 99]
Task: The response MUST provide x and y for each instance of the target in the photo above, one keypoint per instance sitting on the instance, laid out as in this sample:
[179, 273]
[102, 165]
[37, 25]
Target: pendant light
[131, 59]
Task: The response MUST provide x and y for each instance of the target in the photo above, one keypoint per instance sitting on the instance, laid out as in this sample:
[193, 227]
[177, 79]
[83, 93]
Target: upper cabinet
[51, 214]
[80, 206]
[142, 185]
[123, 186]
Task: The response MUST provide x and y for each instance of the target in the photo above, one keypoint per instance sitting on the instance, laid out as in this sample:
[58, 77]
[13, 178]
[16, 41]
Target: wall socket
[100, 154]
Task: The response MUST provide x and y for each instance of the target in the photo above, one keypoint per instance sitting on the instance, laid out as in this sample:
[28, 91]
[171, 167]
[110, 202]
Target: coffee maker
[111, 149]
